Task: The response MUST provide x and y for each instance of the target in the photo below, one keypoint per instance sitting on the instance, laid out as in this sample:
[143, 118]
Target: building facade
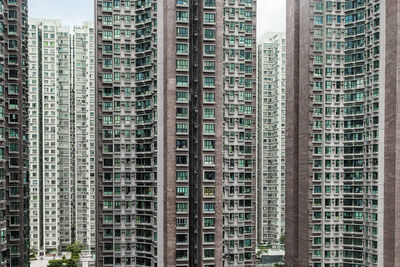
[56, 153]
[83, 132]
[239, 131]
[341, 168]
[14, 173]
[175, 126]
[271, 137]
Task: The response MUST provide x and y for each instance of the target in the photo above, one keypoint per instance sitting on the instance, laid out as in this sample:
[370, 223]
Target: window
[13, 147]
[181, 160]
[209, 113]
[181, 144]
[182, 16]
[12, 29]
[181, 238]
[209, 65]
[209, 222]
[209, 97]
[13, 59]
[209, 3]
[117, 33]
[209, 207]
[13, 104]
[14, 191]
[209, 238]
[209, 49]
[181, 175]
[181, 254]
[14, 249]
[181, 128]
[107, 106]
[209, 160]
[182, 32]
[209, 18]
[209, 128]
[107, 120]
[209, 81]
[182, 2]
[208, 253]
[318, 20]
[107, 35]
[182, 48]
[182, 80]
[209, 192]
[182, 64]
[182, 191]
[209, 34]
[329, 19]
[108, 204]
[181, 207]
[209, 144]
[12, 44]
[182, 112]
[182, 96]
[107, 20]
[107, 77]
[181, 222]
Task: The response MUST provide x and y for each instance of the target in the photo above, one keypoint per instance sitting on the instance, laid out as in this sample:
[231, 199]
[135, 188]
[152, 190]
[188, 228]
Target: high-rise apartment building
[61, 95]
[175, 126]
[14, 173]
[84, 133]
[342, 117]
[271, 138]
[239, 128]
[50, 155]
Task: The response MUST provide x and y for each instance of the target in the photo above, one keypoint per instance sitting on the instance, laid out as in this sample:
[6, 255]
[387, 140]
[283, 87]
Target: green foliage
[279, 265]
[75, 249]
[282, 239]
[63, 263]
[262, 250]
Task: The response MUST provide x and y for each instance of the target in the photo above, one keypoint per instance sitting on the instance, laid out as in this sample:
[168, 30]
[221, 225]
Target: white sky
[271, 16]
[270, 13]
[70, 12]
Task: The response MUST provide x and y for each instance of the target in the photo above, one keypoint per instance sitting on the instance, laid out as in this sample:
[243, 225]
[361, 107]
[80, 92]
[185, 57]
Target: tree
[63, 263]
[282, 239]
[75, 249]
[262, 250]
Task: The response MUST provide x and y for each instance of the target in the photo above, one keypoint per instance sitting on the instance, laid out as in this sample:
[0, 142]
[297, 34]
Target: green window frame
[209, 65]
[181, 128]
[182, 96]
[209, 34]
[182, 175]
[182, 191]
[182, 80]
[182, 16]
[209, 81]
[209, 97]
[209, 113]
[209, 17]
[182, 64]
[209, 222]
[209, 144]
[182, 48]
[209, 3]
[209, 128]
